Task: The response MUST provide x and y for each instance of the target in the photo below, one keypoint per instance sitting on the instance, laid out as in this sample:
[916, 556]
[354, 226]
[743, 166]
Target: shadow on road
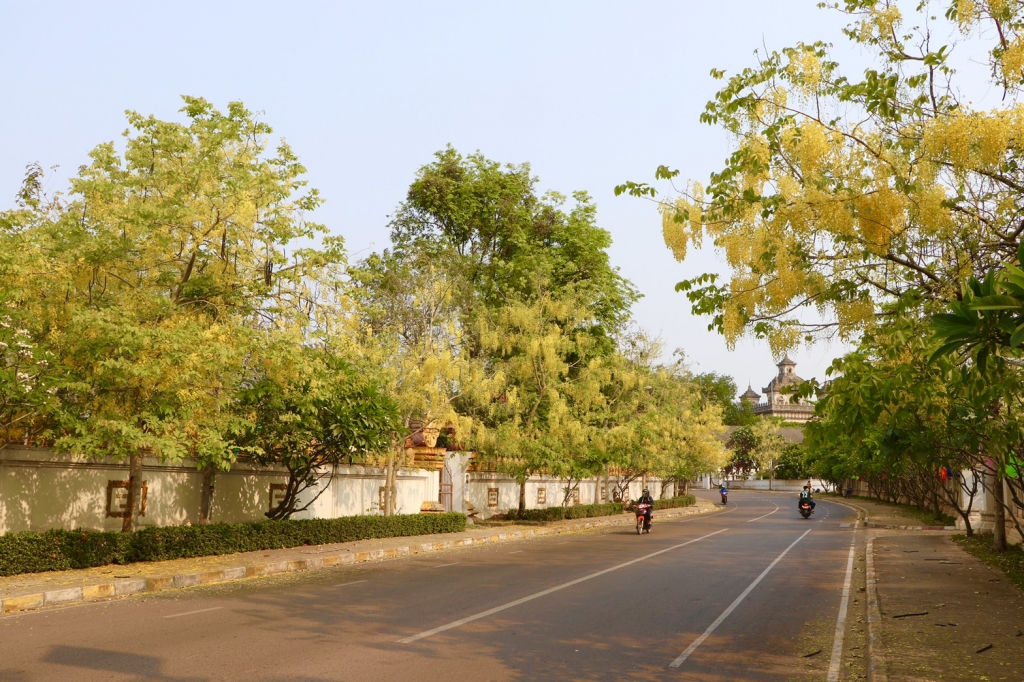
[139, 665]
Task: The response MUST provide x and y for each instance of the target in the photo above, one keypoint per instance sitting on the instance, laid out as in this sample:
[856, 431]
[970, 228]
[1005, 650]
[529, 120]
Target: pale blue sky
[590, 93]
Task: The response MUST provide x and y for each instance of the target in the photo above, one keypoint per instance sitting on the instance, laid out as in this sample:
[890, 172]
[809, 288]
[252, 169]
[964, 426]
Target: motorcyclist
[723, 492]
[807, 494]
[645, 498]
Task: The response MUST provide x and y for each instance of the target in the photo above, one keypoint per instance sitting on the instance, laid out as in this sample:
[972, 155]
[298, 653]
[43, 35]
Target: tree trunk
[394, 487]
[522, 496]
[999, 534]
[771, 476]
[206, 496]
[389, 484]
[134, 504]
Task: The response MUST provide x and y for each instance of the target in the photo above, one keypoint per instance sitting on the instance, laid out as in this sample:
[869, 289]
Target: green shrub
[673, 502]
[58, 550]
[549, 514]
[582, 511]
[579, 511]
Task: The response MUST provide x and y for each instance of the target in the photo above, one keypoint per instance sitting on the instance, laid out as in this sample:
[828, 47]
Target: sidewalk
[933, 610]
[39, 590]
[944, 614]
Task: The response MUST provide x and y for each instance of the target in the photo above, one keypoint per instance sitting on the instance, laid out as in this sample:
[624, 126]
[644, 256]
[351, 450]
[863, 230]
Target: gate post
[456, 464]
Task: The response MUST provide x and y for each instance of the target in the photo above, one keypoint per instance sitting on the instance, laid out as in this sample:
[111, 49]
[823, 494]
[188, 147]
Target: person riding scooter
[645, 498]
[808, 495]
[724, 492]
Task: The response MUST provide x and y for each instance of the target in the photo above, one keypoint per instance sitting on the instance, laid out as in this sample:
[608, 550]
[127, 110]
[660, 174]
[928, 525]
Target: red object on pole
[943, 474]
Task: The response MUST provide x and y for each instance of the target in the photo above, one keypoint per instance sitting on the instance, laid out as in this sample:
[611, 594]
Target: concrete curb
[876, 654]
[891, 527]
[123, 588]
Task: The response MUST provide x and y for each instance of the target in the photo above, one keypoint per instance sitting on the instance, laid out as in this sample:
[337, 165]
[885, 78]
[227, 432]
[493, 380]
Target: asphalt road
[595, 606]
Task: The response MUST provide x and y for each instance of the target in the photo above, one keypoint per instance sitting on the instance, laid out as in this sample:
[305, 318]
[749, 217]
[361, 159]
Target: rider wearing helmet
[645, 498]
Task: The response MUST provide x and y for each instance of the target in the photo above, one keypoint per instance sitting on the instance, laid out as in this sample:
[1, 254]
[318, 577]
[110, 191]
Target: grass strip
[1010, 562]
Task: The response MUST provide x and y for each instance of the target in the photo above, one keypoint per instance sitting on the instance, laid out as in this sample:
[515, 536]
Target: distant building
[778, 395]
[750, 396]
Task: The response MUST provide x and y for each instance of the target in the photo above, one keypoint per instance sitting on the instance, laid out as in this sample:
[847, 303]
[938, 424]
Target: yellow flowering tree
[847, 194]
[538, 352]
[157, 278]
[407, 324]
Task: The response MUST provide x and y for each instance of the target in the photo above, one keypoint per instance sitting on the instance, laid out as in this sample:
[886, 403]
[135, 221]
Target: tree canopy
[180, 302]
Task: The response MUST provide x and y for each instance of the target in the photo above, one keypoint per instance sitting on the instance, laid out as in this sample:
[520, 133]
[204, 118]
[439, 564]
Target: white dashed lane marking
[543, 593]
[192, 613]
[725, 614]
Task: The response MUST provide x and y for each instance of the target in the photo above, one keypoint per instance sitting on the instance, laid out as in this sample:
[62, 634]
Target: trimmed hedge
[582, 511]
[673, 502]
[579, 511]
[58, 550]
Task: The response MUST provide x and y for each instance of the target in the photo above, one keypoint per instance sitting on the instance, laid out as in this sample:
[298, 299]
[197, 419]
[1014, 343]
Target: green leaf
[996, 302]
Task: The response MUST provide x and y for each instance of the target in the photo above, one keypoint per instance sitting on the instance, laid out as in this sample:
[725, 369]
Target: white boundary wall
[480, 484]
[41, 489]
[778, 485]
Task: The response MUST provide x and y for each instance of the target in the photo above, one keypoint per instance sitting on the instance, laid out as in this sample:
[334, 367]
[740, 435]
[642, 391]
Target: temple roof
[778, 383]
[750, 394]
[786, 377]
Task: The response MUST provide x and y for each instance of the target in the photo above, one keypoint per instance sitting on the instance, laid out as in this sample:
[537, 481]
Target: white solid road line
[543, 593]
[443, 565]
[768, 514]
[192, 613]
[354, 582]
[725, 614]
[837, 643]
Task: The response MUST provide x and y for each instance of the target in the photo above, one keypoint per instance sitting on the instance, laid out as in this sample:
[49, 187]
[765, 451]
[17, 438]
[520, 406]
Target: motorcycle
[725, 498]
[642, 524]
[805, 509]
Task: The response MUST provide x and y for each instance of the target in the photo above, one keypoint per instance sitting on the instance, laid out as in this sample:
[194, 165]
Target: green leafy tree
[719, 389]
[486, 223]
[897, 419]
[769, 445]
[791, 464]
[741, 444]
[309, 410]
[982, 331]
[27, 380]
